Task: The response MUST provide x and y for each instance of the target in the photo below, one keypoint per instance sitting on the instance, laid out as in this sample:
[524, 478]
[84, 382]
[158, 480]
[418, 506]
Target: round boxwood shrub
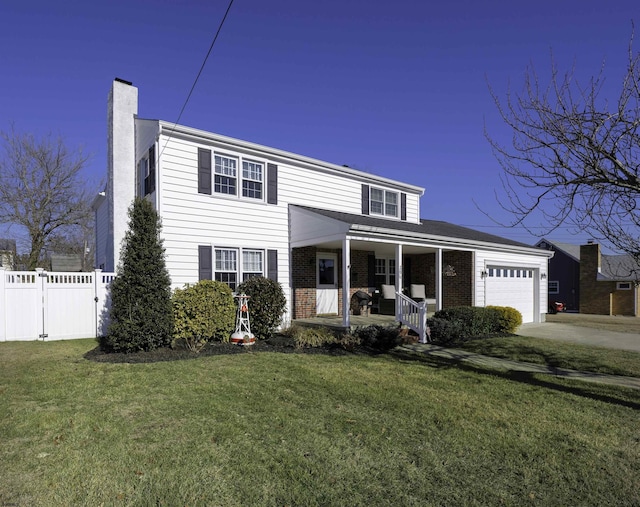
[267, 305]
[203, 312]
[509, 319]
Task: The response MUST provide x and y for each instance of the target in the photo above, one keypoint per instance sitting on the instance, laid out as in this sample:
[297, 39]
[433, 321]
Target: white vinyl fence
[38, 305]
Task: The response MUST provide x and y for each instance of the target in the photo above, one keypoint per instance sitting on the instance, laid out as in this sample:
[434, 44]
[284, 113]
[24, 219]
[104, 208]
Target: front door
[326, 284]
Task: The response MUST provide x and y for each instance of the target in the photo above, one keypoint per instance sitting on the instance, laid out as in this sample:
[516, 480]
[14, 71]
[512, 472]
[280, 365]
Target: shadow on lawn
[592, 390]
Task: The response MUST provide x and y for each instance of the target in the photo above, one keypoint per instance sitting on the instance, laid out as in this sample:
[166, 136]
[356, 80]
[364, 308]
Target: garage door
[511, 286]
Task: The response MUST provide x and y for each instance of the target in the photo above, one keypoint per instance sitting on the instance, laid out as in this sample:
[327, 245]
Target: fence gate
[53, 306]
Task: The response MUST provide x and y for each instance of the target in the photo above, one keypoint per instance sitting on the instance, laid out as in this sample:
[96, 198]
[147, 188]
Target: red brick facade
[598, 296]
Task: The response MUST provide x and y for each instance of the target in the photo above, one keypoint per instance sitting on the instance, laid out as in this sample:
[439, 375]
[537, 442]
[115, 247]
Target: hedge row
[462, 323]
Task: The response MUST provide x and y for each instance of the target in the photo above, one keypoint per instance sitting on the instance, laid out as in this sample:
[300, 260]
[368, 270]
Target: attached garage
[512, 286]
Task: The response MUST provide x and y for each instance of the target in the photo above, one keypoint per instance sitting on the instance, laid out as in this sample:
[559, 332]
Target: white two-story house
[232, 209]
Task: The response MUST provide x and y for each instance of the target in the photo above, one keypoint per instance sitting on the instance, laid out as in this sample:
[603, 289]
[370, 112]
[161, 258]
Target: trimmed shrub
[305, 337]
[509, 319]
[266, 306]
[203, 312]
[141, 317]
[463, 323]
[379, 337]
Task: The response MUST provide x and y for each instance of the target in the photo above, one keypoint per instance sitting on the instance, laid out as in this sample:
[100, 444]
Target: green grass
[559, 354]
[294, 429]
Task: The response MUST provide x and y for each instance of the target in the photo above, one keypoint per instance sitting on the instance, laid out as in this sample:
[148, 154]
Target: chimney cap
[590, 242]
[119, 80]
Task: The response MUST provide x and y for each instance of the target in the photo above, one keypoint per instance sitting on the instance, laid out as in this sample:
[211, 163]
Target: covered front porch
[335, 261]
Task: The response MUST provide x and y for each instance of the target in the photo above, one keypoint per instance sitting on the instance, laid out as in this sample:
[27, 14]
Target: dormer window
[383, 202]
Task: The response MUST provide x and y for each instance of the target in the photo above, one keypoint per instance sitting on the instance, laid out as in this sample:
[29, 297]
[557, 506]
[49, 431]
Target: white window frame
[143, 172]
[237, 265]
[223, 171]
[553, 287]
[248, 177]
[624, 285]
[249, 271]
[383, 204]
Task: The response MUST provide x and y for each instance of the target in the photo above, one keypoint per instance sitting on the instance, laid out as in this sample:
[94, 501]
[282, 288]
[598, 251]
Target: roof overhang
[308, 228]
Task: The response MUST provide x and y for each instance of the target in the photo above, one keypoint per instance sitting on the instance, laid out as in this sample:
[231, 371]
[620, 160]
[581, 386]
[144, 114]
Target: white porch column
[438, 279]
[346, 282]
[399, 281]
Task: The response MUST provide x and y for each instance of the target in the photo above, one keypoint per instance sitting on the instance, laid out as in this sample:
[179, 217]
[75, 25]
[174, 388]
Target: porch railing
[413, 315]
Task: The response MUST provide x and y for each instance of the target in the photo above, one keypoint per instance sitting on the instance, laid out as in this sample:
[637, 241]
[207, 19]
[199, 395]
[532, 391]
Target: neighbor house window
[252, 177]
[623, 286]
[554, 287]
[225, 177]
[383, 202]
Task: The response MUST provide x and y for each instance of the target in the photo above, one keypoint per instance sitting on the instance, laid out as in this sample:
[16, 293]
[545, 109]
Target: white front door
[326, 284]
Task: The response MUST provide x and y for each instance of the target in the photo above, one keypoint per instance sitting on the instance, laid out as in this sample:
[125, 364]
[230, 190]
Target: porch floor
[335, 322]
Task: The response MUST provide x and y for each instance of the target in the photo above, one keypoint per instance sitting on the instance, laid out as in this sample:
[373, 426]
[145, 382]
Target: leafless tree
[42, 190]
[574, 156]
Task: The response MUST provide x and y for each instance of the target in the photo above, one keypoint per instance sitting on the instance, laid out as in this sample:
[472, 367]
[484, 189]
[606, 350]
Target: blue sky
[398, 89]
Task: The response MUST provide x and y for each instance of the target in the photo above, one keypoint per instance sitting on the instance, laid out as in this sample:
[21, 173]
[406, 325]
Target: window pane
[226, 260]
[377, 201]
[225, 175]
[229, 278]
[381, 266]
[326, 272]
[252, 189]
[252, 261]
[252, 171]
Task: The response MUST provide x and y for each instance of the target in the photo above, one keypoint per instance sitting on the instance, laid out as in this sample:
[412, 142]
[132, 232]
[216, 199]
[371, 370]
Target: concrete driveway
[588, 330]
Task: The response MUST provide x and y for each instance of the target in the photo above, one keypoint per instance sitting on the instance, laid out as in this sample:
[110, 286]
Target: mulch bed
[218, 348]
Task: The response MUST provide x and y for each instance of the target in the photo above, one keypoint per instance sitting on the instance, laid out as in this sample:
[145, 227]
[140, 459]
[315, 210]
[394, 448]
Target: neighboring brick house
[232, 209]
[564, 273]
[608, 282]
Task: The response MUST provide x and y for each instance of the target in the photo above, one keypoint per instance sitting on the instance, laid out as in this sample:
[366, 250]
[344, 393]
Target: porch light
[484, 273]
[543, 276]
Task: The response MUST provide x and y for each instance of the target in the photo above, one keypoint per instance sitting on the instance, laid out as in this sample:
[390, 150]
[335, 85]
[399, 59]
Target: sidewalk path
[582, 335]
[509, 365]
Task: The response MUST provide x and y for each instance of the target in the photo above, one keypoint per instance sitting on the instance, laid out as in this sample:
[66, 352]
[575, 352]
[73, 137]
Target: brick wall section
[303, 278]
[601, 297]
[458, 290]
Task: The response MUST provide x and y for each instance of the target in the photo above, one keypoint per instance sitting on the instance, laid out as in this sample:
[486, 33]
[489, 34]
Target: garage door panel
[511, 286]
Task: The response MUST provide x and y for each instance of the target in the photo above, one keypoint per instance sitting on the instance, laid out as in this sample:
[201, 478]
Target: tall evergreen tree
[141, 312]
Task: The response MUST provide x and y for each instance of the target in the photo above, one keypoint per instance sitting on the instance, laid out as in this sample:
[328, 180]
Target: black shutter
[371, 270]
[406, 271]
[272, 265]
[204, 171]
[403, 206]
[150, 179]
[272, 184]
[365, 199]
[205, 266]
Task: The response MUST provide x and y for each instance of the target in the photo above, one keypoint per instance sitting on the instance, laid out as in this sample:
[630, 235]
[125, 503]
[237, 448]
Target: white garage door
[511, 286]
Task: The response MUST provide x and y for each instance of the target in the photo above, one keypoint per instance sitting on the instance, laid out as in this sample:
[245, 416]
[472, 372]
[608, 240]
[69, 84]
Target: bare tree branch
[573, 159]
[42, 189]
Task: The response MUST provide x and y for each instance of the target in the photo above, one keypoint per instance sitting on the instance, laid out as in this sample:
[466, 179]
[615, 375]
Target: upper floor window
[146, 180]
[384, 202]
[225, 175]
[236, 176]
[252, 179]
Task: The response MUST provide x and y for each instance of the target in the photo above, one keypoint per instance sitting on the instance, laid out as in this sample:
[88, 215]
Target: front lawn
[559, 354]
[299, 429]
